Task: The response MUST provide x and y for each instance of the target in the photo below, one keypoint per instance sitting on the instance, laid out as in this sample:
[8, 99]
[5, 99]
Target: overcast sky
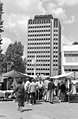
[17, 13]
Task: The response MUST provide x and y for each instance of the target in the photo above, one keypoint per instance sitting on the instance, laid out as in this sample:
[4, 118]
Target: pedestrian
[32, 90]
[46, 92]
[62, 91]
[40, 88]
[37, 90]
[20, 93]
[26, 86]
[51, 87]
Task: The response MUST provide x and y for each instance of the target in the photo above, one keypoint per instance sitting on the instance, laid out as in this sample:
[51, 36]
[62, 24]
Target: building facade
[70, 59]
[44, 45]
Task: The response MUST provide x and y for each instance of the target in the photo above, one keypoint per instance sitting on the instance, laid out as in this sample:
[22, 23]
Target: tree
[1, 30]
[75, 43]
[13, 57]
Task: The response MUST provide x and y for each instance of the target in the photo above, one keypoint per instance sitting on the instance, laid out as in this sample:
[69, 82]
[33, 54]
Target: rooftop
[70, 48]
[43, 17]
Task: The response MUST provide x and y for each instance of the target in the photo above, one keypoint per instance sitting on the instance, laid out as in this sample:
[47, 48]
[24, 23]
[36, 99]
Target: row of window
[67, 55]
[39, 39]
[54, 69]
[43, 60]
[55, 47]
[39, 64]
[31, 73]
[39, 48]
[55, 52]
[41, 52]
[38, 60]
[31, 35]
[55, 39]
[55, 30]
[71, 70]
[43, 43]
[40, 56]
[55, 43]
[55, 56]
[42, 39]
[38, 69]
[55, 60]
[55, 34]
[55, 65]
[47, 26]
[38, 21]
[38, 31]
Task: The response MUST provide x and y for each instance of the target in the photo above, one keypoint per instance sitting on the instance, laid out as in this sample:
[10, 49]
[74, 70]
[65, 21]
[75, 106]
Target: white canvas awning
[74, 81]
[43, 77]
[63, 75]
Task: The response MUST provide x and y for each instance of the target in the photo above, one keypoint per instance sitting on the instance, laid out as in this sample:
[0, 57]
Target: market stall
[73, 94]
[8, 77]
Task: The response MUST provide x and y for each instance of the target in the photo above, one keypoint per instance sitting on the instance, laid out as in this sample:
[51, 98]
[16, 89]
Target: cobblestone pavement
[42, 110]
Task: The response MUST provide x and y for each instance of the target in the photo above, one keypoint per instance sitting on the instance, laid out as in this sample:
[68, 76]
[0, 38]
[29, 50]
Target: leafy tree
[13, 57]
[75, 43]
[1, 30]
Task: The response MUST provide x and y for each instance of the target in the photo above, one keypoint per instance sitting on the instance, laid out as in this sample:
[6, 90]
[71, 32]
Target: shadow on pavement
[38, 103]
[26, 110]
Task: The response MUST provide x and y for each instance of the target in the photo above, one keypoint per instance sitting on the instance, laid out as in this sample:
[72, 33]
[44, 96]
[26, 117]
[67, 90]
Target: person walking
[62, 91]
[46, 92]
[20, 93]
[26, 86]
[40, 88]
[51, 87]
[32, 90]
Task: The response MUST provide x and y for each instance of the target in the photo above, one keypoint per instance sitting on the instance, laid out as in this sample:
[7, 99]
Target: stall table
[4, 95]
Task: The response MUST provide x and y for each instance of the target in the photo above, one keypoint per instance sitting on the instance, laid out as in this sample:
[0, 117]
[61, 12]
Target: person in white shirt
[46, 92]
[40, 87]
[26, 86]
[32, 90]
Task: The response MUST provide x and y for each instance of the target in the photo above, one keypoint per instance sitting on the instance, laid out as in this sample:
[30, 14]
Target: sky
[17, 13]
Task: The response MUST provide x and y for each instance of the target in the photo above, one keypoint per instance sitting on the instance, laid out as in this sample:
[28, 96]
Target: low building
[70, 59]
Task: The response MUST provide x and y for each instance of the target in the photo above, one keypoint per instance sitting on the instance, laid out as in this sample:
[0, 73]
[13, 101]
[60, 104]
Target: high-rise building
[44, 45]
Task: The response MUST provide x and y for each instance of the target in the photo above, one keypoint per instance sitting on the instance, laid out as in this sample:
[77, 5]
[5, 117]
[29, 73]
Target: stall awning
[63, 75]
[14, 74]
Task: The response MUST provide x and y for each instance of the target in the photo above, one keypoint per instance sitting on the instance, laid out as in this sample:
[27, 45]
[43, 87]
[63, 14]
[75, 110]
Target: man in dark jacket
[20, 93]
[62, 91]
[51, 87]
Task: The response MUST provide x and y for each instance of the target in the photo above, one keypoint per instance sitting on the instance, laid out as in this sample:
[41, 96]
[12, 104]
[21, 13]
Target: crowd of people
[33, 90]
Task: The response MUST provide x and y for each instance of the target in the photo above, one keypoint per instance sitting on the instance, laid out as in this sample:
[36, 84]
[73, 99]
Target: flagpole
[35, 66]
[34, 69]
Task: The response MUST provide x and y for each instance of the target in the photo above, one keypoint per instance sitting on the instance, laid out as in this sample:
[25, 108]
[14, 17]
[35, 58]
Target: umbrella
[14, 74]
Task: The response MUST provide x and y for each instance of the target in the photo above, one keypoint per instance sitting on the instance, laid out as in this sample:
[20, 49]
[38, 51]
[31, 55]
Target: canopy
[74, 81]
[14, 74]
[62, 75]
[43, 77]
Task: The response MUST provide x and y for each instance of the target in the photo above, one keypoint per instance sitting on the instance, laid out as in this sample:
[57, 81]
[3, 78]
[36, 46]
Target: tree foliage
[75, 43]
[13, 57]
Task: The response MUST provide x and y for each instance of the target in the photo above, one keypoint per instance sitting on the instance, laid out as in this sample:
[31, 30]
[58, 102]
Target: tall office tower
[44, 45]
